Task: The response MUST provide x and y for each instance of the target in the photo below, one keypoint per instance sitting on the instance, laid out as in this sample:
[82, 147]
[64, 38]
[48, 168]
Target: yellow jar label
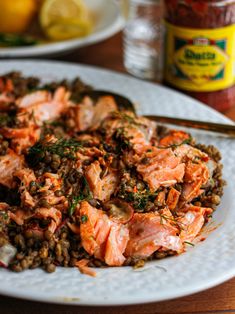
[200, 60]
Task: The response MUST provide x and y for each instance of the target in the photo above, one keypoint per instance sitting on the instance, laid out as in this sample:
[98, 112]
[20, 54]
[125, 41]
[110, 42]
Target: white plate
[108, 23]
[207, 264]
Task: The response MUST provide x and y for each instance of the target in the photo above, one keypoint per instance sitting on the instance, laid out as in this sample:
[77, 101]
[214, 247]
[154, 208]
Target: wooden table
[220, 299]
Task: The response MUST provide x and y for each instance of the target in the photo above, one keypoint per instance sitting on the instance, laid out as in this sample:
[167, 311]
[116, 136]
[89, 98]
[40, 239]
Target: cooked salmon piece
[52, 213]
[90, 217]
[161, 198]
[151, 231]
[158, 159]
[103, 108]
[103, 188]
[102, 237]
[22, 138]
[19, 216]
[172, 198]
[82, 114]
[88, 138]
[101, 233]
[187, 152]
[47, 109]
[93, 172]
[26, 176]
[6, 85]
[164, 177]
[163, 168]
[84, 269]
[192, 221]
[8, 165]
[174, 137]
[139, 132]
[196, 175]
[5, 99]
[116, 245]
[34, 98]
[89, 115]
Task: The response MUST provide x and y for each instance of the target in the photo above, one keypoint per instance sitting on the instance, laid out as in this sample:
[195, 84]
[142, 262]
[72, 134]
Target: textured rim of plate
[68, 45]
[213, 281]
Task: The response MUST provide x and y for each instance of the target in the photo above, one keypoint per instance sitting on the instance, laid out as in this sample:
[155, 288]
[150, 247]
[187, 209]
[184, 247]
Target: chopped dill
[73, 202]
[188, 141]
[62, 147]
[140, 200]
[126, 118]
[84, 194]
[189, 243]
[84, 219]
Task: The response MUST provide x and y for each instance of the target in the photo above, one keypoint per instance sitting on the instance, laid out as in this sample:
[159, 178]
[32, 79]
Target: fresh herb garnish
[139, 199]
[15, 40]
[73, 202]
[62, 147]
[187, 141]
[7, 119]
[122, 141]
[84, 194]
[126, 118]
[84, 219]
[189, 243]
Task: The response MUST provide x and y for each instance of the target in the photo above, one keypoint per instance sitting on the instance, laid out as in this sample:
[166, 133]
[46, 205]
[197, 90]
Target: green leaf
[189, 243]
[84, 219]
[14, 40]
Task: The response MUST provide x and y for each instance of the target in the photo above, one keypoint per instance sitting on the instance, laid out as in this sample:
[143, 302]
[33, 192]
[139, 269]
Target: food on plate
[64, 19]
[85, 182]
[31, 22]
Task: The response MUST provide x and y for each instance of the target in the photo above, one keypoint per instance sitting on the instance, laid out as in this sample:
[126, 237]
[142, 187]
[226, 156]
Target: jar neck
[151, 9]
[201, 14]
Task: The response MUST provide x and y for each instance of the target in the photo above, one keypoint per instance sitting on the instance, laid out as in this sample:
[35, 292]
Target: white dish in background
[109, 22]
[207, 264]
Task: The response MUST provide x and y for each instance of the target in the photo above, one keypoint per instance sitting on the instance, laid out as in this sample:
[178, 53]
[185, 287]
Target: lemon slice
[65, 19]
[69, 29]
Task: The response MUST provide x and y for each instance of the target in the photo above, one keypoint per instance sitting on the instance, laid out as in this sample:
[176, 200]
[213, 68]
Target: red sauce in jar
[200, 54]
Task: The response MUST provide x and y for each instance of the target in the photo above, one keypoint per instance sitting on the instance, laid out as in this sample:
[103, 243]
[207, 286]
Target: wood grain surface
[218, 300]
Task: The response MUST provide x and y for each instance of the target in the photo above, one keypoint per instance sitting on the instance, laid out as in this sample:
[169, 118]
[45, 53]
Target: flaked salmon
[165, 177]
[196, 175]
[8, 165]
[53, 213]
[151, 231]
[89, 115]
[26, 176]
[103, 188]
[172, 198]
[102, 237]
[192, 221]
[44, 106]
[174, 138]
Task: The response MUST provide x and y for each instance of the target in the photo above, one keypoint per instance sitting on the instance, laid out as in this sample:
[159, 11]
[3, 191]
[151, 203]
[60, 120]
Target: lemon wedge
[65, 19]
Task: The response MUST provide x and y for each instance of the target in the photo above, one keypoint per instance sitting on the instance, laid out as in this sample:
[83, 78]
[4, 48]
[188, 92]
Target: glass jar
[200, 50]
[143, 39]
